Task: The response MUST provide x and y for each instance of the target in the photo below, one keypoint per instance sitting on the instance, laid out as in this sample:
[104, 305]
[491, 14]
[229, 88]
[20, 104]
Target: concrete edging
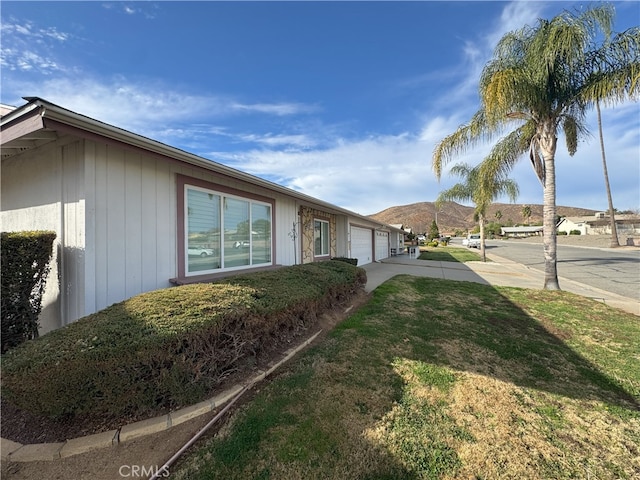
[17, 452]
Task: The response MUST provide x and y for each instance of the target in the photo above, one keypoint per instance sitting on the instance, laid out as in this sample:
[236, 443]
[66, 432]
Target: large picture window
[224, 231]
[321, 238]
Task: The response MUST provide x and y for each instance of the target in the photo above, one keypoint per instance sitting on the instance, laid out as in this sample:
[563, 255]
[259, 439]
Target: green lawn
[435, 379]
[449, 254]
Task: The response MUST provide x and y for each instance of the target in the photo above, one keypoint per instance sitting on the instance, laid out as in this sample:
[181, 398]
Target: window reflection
[236, 233]
[321, 238]
[226, 232]
[203, 227]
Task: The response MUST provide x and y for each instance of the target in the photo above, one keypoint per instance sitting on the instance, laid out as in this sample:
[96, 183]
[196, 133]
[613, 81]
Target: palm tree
[614, 231]
[481, 191]
[498, 215]
[545, 78]
[526, 213]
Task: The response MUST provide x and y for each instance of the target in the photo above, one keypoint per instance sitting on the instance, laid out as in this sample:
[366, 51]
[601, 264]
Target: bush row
[25, 266]
[169, 348]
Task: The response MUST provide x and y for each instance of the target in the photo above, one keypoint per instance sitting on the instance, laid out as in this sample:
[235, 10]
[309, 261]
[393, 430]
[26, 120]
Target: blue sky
[344, 101]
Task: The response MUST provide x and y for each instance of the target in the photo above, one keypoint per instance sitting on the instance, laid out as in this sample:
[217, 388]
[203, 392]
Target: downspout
[62, 242]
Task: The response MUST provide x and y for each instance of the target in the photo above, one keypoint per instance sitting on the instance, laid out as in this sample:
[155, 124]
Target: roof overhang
[39, 122]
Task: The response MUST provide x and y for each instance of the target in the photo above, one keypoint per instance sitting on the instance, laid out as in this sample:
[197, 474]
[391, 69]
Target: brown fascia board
[60, 116]
[20, 123]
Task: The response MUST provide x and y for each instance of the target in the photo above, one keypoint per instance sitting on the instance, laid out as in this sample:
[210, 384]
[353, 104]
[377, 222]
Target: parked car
[239, 244]
[201, 252]
[472, 240]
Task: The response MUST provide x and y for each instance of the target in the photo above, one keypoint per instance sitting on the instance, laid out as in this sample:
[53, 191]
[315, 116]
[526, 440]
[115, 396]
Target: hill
[453, 216]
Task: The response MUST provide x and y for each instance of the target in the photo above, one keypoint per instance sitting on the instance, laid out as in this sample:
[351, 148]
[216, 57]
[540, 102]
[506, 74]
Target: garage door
[382, 245]
[362, 244]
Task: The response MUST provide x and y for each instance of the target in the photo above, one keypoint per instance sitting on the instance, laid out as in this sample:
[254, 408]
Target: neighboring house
[132, 214]
[600, 224]
[523, 231]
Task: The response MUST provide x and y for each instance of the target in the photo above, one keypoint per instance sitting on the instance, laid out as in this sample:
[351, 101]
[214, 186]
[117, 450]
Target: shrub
[168, 348]
[433, 243]
[352, 261]
[25, 266]
[575, 232]
[563, 232]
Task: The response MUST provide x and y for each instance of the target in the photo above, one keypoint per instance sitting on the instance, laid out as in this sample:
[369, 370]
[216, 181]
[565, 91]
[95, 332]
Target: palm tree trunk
[482, 248]
[614, 231]
[548, 147]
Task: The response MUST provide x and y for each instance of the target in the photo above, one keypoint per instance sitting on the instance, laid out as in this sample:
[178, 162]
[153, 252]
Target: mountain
[453, 216]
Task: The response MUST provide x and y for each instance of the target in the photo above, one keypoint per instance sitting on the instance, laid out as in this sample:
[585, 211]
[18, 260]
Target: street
[612, 270]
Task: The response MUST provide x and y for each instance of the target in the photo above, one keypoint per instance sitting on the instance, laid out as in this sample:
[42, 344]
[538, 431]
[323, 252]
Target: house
[600, 224]
[522, 231]
[132, 214]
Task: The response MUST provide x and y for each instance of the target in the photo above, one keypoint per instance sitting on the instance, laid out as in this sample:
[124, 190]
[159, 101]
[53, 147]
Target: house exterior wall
[567, 225]
[307, 218]
[116, 204]
[114, 211]
[133, 227]
[131, 224]
[43, 189]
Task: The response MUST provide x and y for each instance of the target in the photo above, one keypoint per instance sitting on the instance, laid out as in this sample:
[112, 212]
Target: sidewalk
[499, 271]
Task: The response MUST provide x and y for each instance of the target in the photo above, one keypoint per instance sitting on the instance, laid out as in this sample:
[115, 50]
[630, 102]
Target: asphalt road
[612, 270]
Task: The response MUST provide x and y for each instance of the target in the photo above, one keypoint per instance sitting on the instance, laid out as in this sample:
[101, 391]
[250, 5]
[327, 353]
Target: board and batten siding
[114, 211]
[43, 189]
[131, 225]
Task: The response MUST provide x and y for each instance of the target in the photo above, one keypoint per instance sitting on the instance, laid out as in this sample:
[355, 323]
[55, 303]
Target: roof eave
[82, 122]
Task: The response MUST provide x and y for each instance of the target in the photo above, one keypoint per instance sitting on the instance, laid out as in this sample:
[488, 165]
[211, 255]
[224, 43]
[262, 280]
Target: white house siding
[286, 215]
[382, 245]
[46, 192]
[131, 224]
[342, 228]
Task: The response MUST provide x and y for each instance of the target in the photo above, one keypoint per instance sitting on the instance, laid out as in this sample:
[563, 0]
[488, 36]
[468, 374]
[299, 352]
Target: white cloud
[279, 109]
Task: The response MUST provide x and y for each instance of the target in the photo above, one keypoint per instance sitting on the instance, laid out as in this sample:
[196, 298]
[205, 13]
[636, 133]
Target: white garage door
[362, 244]
[382, 245]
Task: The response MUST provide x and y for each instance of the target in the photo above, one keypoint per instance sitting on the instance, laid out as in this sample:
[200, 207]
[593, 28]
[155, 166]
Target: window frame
[322, 221]
[184, 184]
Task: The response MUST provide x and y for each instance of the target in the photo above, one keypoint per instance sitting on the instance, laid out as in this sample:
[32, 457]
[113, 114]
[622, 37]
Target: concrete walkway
[499, 271]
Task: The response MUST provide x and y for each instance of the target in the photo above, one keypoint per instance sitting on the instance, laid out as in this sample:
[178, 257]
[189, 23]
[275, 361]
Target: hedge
[24, 269]
[169, 348]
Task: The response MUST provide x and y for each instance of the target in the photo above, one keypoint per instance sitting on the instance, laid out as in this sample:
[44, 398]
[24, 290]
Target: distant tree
[434, 232]
[498, 215]
[612, 217]
[482, 191]
[526, 213]
[492, 229]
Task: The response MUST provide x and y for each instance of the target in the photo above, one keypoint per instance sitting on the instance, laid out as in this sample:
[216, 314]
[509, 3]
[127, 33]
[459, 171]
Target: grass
[435, 379]
[449, 254]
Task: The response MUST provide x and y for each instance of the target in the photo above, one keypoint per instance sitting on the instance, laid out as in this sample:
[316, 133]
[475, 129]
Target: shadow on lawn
[486, 325]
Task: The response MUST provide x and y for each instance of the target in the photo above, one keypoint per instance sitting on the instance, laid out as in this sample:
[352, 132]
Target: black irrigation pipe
[164, 470]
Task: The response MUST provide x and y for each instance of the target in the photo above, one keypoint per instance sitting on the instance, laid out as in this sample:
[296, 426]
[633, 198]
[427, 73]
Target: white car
[472, 241]
[201, 252]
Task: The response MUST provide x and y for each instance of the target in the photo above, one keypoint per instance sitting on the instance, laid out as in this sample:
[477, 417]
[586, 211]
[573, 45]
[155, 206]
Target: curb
[17, 452]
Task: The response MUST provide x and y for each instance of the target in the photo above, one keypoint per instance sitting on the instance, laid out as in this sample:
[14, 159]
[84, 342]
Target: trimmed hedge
[25, 266]
[352, 261]
[168, 348]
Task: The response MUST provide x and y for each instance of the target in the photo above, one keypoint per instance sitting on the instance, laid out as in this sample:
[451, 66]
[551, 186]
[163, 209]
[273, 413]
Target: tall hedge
[168, 348]
[24, 269]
